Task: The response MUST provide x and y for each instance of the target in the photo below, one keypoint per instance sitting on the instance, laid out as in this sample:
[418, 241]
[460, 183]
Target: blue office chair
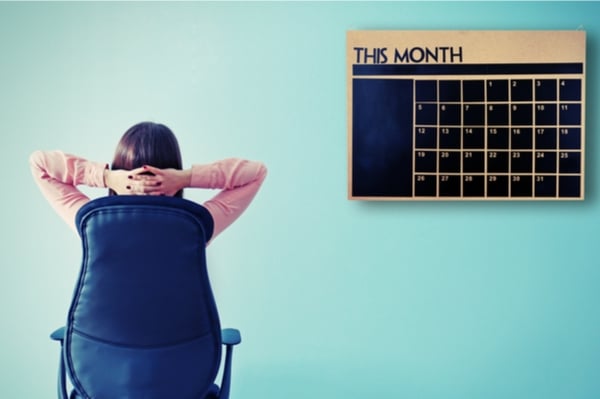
[143, 323]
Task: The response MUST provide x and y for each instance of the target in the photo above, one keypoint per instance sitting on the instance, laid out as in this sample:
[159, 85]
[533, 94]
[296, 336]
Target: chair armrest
[230, 336]
[58, 334]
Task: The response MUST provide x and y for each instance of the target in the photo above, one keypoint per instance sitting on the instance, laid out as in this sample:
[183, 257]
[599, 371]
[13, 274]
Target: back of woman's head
[147, 143]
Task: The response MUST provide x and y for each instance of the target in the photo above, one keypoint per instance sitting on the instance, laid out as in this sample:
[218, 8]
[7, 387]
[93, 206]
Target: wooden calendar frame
[466, 115]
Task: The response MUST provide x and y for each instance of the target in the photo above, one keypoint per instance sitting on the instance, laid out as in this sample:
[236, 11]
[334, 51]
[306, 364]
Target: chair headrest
[145, 201]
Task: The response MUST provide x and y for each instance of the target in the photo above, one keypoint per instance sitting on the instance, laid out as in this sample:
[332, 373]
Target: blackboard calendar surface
[466, 115]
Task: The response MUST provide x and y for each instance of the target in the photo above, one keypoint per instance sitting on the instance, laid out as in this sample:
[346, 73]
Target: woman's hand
[120, 181]
[147, 180]
[159, 181]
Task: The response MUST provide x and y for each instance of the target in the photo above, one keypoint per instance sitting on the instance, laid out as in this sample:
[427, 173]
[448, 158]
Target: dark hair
[147, 143]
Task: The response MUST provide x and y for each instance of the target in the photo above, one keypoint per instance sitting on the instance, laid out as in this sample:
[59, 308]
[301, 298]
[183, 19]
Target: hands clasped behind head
[143, 182]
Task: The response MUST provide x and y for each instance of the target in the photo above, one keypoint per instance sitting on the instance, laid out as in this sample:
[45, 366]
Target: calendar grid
[521, 124]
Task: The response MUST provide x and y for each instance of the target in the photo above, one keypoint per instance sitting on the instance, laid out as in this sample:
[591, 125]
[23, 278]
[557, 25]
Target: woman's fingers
[152, 169]
[136, 173]
[146, 180]
[144, 186]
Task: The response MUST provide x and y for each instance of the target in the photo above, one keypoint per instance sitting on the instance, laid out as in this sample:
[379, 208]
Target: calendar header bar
[468, 69]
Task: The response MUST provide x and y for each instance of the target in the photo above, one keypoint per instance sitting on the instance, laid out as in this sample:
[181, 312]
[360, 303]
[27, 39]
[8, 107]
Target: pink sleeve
[57, 174]
[239, 181]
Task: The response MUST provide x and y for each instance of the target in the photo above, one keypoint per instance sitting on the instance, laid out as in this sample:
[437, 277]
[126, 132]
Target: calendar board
[466, 115]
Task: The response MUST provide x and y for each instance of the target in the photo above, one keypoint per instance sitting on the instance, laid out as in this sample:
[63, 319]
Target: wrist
[185, 178]
[105, 177]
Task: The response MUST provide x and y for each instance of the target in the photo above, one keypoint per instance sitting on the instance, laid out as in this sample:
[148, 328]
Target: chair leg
[62, 379]
[226, 380]
[61, 385]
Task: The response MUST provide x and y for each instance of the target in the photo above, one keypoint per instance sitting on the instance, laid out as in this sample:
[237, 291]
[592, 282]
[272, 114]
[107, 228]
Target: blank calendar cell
[545, 138]
[473, 90]
[545, 114]
[426, 137]
[484, 115]
[473, 137]
[570, 138]
[473, 186]
[449, 161]
[473, 162]
[497, 90]
[521, 186]
[497, 138]
[425, 185]
[521, 114]
[521, 90]
[570, 114]
[450, 114]
[473, 115]
[449, 91]
[426, 161]
[426, 91]
[426, 114]
[569, 162]
[449, 185]
[521, 138]
[545, 186]
[497, 161]
[497, 186]
[450, 137]
[569, 186]
[521, 162]
[545, 161]
[545, 90]
[570, 89]
[497, 115]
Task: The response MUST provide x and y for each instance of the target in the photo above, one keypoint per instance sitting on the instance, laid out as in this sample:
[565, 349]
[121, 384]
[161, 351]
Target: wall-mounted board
[466, 115]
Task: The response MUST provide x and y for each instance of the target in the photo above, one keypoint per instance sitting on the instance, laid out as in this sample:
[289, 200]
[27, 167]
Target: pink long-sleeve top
[58, 174]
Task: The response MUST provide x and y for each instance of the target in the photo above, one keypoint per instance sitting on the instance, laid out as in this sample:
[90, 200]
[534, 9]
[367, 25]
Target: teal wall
[336, 299]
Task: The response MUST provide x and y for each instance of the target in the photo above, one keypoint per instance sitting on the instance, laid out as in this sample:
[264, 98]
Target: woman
[147, 161]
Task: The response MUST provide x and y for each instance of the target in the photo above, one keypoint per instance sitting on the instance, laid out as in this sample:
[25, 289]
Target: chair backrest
[143, 321]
